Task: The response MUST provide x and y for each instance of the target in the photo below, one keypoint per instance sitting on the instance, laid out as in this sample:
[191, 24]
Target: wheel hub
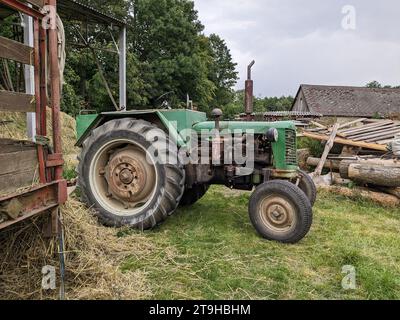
[126, 176]
[277, 213]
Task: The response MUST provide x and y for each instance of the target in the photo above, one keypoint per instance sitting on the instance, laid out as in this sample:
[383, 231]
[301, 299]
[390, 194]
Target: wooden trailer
[31, 180]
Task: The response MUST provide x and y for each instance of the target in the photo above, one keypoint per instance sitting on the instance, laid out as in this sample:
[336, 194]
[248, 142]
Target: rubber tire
[171, 178]
[191, 196]
[291, 193]
[307, 185]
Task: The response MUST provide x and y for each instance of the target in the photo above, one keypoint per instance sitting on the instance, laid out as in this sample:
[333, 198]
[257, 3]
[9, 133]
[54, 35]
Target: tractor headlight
[272, 135]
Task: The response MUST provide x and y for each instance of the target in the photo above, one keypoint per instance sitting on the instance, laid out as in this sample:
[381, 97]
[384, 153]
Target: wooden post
[328, 148]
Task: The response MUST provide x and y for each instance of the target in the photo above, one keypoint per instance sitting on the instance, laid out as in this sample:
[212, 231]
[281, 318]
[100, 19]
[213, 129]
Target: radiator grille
[291, 152]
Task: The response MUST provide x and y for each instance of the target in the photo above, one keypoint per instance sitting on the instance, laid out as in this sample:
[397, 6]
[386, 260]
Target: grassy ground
[211, 251]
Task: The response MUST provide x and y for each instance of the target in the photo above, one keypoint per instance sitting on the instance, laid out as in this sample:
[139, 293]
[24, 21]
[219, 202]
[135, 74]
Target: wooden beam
[365, 145]
[328, 148]
[16, 51]
[16, 102]
[351, 123]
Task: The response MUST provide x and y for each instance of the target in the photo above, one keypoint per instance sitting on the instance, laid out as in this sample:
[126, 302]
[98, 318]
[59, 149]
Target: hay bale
[93, 258]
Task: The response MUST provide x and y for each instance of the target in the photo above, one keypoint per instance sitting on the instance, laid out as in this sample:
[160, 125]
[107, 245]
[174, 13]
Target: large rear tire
[280, 211]
[122, 178]
[194, 194]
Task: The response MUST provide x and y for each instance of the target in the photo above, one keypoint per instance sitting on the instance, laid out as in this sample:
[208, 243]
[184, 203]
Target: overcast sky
[303, 41]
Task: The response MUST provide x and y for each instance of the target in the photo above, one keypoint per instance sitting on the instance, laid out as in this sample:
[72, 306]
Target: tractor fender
[86, 125]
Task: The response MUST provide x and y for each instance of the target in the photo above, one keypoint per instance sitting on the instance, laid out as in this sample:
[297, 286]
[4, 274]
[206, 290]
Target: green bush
[316, 147]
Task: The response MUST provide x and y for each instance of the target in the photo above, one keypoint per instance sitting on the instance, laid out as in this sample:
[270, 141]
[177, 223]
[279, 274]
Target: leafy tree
[374, 84]
[222, 71]
[167, 39]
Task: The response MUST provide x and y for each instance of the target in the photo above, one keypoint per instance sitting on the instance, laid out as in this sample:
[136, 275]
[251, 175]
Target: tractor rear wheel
[280, 211]
[122, 178]
[194, 194]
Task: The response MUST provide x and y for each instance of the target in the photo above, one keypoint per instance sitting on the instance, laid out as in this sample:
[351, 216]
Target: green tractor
[137, 167]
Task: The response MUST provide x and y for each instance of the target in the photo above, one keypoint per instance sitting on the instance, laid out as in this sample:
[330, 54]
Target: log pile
[367, 158]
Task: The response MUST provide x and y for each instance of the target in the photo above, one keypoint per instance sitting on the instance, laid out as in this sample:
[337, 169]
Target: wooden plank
[18, 161]
[17, 180]
[384, 137]
[328, 148]
[351, 123]
[321, 126]
[375, 133]
[16, 102]
[13, 50]
[385, 141]
[372, 131]
[9, 145]
[366, 127]
[365, 145]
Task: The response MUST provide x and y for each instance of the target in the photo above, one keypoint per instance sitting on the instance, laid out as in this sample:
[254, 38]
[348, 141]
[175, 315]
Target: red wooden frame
[52, 190]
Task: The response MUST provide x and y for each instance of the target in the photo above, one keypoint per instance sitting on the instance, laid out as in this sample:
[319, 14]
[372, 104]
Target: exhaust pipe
[249, 93]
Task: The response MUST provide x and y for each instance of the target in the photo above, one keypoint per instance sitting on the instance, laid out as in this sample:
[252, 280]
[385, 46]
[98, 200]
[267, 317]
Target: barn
[347, 102]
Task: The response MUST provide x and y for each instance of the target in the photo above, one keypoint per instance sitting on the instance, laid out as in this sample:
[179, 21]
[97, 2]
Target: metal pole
[29, 77]
[122, 69]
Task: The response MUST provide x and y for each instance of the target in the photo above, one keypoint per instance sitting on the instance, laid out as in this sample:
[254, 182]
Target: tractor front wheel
[280, 211]
[122, 178]
[307, 185]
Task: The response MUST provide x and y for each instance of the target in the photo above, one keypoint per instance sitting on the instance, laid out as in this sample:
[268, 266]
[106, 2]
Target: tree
[167, 39]
[222, 71]
[374, 84]
[167, 53]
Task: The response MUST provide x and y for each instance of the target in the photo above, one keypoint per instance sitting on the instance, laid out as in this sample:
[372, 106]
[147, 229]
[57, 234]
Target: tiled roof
[351, 101]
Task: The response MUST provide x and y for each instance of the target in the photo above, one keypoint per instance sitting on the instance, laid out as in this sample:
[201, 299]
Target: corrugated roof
[74, 10]
[351, 101]
[5, 12]
[77, 11]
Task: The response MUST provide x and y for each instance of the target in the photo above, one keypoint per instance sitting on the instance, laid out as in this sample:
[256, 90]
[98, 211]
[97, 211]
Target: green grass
[211, 251]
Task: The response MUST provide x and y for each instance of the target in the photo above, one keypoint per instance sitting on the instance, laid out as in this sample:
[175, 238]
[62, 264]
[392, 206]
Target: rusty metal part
[277, 214]
[284, 174]
[122, 179]
[53, 189]
[23, 8]
[126, 176]
[249, 92]
[34, 201]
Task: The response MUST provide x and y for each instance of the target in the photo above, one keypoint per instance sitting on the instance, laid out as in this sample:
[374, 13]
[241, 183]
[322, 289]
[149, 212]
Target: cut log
[392, 191]
[376, 174]
[329, 164]
[383, 199]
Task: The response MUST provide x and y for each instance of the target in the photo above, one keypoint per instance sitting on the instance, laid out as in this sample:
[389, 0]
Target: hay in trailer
[15, 127]
[93, 255]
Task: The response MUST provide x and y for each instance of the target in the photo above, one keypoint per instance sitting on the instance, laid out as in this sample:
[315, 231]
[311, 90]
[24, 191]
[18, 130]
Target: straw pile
[93, 256]
[93, 253]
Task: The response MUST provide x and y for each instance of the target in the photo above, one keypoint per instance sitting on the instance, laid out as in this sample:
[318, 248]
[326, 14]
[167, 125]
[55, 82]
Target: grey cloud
[301, 41]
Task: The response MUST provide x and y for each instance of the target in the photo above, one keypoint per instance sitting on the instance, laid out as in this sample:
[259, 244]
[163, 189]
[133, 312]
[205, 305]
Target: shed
[347, 102]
